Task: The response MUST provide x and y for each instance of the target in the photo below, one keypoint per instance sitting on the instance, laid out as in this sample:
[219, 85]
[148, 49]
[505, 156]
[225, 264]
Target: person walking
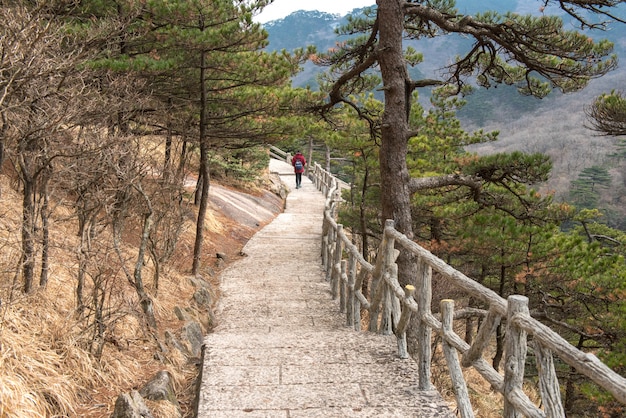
[298, 162]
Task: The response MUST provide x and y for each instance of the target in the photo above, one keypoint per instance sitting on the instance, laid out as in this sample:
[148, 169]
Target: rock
[210, 321]
[277, 186]
[181, 314]
[131, 406]
[160, 388]
[192, 332]
[198, 282]
[172, 341]
[204, 300]
[202, 297]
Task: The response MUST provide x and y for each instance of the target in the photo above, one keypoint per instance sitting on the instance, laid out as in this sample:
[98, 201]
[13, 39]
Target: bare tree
[37, 90]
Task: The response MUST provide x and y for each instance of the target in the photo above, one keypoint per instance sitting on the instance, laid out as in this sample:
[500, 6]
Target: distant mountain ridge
[303, 28]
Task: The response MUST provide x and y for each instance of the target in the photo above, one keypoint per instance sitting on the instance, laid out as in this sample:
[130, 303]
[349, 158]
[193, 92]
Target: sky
[281, 8]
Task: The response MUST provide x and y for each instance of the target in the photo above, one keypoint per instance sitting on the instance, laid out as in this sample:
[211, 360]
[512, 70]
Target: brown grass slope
[45, 369]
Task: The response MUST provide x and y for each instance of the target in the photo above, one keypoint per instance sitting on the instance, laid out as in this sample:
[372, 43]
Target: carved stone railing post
[326, 230]
[343, 277]
[424, 333]
[358, 283]
[387, 255]
[396, 306]
[459, 386]
[350, 299]
[514, 354]
[482, 339]
[385, 323]
[316, 176]
[330, 245]
[403, 322]
[390, 276]
[326, 182]
[375, 287]
[548, 382]
[336, 267]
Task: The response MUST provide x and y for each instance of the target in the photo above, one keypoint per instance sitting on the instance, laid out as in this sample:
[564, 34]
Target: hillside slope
[46, 368]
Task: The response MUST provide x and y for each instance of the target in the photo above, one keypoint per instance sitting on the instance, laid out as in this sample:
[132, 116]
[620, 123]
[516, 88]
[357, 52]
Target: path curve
[281, 348]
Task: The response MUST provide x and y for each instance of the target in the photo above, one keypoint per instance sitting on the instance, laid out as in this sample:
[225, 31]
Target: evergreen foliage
[479, 213]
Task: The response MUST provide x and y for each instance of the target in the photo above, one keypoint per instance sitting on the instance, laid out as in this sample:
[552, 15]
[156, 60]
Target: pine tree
[534, 53]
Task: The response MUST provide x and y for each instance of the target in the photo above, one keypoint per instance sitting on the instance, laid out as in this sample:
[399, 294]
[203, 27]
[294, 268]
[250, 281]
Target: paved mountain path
[281, 348]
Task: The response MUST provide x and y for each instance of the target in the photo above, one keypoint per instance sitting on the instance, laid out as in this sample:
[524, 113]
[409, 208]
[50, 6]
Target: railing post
[548, 382]
[325, 231]
[336, 267]
[318, 177]
[514, 354]
[358, 284]
[386, 327]
[403, 322]
[386, 256]
[351, 299]
[482, 339]
[330, 245]
[452, 359]
[342, 286]
[424, 333]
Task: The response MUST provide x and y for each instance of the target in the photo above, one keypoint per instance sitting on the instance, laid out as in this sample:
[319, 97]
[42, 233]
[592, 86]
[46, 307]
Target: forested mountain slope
[554, 125]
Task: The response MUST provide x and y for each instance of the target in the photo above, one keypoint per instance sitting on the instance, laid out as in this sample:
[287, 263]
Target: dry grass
[486, 402]
[46, 369]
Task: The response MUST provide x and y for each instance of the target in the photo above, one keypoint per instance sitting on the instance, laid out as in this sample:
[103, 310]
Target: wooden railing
[279, 154]
[390, 308]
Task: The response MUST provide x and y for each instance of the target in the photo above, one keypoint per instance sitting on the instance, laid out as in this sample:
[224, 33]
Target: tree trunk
[309, 157]
[157, 268]
[197, 194]
[45, 230]
[570, 382]
[167, 163]
[396, 202]
[180, 170]
[144, 298]
[28, 228]
[327, 158]
[80, 279]
[363, 217]
[204, 172]
[497, 358]
[394, 174]
[202, 209]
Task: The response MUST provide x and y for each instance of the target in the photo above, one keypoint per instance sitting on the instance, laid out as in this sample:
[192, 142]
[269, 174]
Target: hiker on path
[298, 162]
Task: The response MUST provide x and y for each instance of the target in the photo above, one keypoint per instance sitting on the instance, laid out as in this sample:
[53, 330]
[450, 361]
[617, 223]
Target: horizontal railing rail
[391, 307]
[279, 154]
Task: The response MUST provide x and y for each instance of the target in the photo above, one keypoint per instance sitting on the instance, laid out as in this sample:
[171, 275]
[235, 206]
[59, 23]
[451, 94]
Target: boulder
[131, 405]
[160, 388]
[192, 333]
[181, 314]
[202, 297]
[172, 341]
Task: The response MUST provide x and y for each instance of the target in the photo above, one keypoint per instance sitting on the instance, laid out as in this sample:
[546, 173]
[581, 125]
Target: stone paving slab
[281, 347]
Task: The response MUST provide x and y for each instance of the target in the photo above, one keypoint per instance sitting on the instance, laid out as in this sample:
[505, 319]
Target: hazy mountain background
[554, 125]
